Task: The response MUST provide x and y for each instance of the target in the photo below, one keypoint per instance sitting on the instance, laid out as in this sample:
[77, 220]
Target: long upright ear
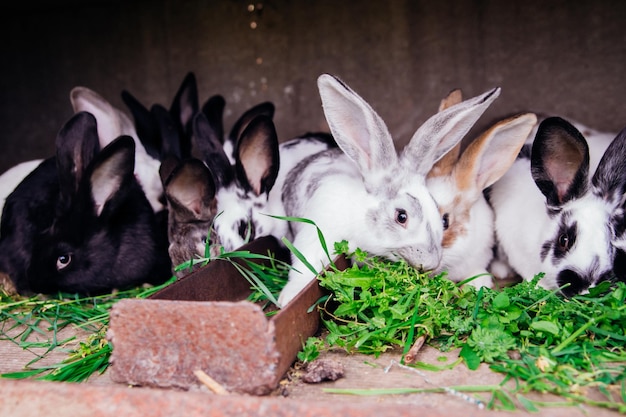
[189, 187]
[112, 122]
[443, 131]
[209, 145]
[447, 162]
[263, 109]
[168, 133]
[356, 127]
[185, 106]
[610, 176]
[488, 157]
[257, 158]
[147, 130]
[213, 109]
[560, 161]
[111, 173]
[76, 146]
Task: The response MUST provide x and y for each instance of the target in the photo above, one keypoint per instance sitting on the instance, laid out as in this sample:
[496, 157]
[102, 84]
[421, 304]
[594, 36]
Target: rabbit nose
[426, 260]
[577, 283]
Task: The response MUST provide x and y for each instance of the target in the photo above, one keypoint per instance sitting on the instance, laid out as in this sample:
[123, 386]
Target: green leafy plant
[535, 337]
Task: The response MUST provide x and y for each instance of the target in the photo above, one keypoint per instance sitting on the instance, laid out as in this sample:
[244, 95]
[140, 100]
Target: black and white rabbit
[80, 221]
[112, 123]
[555, 214]
[250, 189]
[364, 192]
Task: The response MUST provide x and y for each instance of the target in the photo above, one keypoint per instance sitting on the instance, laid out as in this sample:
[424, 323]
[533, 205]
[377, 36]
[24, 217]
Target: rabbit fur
[113, 123]
[556, 212]
[80, 222]
[249, 190]
[457, 181]
[364, 192]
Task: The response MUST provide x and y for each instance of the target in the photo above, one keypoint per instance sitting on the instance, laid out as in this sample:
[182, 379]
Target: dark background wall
[565, 57]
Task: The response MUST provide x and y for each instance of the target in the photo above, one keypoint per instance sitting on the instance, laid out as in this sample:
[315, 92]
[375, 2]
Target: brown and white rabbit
[555, 214]
[80, 221]
[457, 181]
[364, 192]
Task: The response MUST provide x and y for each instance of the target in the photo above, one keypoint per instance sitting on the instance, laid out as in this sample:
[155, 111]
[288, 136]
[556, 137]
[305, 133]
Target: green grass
[571, 347]
[23, 318]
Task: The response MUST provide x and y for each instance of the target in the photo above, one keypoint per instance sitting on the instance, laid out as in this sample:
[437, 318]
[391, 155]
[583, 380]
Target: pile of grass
[571, 347]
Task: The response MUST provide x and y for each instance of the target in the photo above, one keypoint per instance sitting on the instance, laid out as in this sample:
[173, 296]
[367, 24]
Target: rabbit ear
[76, 146]
[144, 125]
[560, 161]
[445, 165]
[257, 158]
[263, 109]
[443, 131]
[610, 176]
[168, 132]
[454, 97]
[112, 122]
[358, 130]
[208, 142]
[213, 109]
[489, 156]
[185, 105]
[110, 173]
[189, 186]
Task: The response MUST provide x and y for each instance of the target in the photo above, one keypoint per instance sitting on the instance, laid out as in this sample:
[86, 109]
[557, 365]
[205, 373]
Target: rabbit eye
[246, 230]
[445, 219]
[564, 241]
[401, 216]
[63, 261]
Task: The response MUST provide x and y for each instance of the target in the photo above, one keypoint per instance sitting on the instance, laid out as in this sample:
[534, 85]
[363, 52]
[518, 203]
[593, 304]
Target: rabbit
[113, 123]
[456, 183]
[250, 189]
[190, 193]
[364, 192]
[80, 222]
[553, 216]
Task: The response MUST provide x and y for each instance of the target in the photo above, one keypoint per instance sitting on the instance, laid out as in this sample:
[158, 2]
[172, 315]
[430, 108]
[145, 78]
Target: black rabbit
[80, 222]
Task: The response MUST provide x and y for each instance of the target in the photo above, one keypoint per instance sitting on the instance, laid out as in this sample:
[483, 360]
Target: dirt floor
[360, 372]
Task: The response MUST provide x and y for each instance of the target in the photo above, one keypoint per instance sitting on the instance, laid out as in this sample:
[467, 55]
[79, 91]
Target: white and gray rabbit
[457, 181]
[80, 222]
[364, 192]
[555, 212]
